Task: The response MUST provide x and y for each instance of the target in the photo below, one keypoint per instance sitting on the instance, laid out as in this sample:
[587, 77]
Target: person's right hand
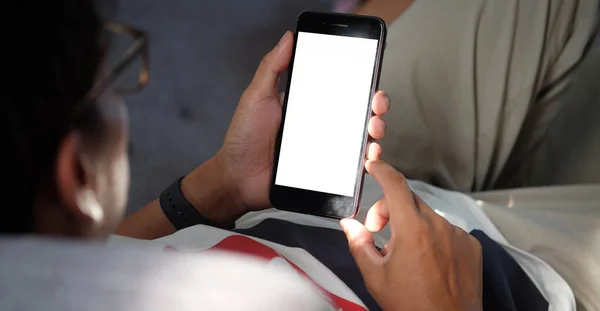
[428, 264]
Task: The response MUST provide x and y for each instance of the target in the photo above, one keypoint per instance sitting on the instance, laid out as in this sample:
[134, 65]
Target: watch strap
[179, 211]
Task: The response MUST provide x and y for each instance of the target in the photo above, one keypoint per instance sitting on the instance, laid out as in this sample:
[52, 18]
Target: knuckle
[476, 246]
[458, 231]
[397, 177]
[447, 228]
[461, 234]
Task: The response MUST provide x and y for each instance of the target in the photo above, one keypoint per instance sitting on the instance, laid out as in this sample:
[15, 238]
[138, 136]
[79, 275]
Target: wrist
[214, 194]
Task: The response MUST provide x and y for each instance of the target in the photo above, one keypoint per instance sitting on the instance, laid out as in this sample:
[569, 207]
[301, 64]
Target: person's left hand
[248, 150]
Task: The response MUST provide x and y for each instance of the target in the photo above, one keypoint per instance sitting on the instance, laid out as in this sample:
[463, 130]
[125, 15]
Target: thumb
[266, 79]
[362, 246]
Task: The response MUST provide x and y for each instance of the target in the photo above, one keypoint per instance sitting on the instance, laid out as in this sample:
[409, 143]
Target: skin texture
[428, 264]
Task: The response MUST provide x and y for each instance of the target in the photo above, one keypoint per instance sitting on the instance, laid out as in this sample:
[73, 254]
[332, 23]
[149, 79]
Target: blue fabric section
[329, 246]
[505, 286]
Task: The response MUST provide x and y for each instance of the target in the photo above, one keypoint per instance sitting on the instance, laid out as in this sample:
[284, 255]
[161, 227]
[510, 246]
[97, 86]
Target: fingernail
[342, 224]
[282, 37]
[389, 101]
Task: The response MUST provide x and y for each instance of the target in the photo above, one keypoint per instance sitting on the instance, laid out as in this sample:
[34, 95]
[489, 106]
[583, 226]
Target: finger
[376, 127]
[399, 197]
[377, 216]
[266, 79]
[381, 103]
[362, 246]
[374, 152]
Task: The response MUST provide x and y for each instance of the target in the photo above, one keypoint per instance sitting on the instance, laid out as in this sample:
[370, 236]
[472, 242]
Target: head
[65, 152]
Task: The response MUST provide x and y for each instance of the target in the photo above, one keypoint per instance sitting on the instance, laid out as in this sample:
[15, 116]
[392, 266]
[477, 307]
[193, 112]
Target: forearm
[148, 223]
[388, 10]
[207, 188]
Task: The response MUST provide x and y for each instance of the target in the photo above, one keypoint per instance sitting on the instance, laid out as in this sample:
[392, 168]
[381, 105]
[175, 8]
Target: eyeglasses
[127, 63]
[129, 70]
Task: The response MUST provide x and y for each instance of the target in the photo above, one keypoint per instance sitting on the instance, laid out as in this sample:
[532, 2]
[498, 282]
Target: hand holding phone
[244, 164]
[322, 144]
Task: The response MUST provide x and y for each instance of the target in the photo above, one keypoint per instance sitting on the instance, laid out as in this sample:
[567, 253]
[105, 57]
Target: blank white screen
[326, 110]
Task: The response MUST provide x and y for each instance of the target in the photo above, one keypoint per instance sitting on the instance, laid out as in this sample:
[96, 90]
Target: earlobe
[73, 182]
[68, 171]
[89, 206]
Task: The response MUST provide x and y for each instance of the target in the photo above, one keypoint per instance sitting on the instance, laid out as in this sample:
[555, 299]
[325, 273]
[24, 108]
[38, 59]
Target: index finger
[399, 197]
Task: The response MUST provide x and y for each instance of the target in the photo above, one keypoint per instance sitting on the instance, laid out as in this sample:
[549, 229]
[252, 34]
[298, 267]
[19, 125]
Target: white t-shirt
[169, 273]
[458, 208]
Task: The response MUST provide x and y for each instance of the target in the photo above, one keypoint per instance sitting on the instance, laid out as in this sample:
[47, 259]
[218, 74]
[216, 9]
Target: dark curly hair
[51, 56]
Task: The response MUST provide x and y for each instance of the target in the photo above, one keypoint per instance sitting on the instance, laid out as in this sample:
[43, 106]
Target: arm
[208, 188]
[389, 10]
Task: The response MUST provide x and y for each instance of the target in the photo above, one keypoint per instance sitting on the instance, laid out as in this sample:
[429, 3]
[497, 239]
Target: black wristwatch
[179, 211]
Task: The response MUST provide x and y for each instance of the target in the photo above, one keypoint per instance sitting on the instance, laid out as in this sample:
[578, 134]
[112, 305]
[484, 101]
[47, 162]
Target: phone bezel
[314, 202]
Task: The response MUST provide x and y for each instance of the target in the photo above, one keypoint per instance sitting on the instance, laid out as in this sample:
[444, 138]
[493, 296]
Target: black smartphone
[322, 143]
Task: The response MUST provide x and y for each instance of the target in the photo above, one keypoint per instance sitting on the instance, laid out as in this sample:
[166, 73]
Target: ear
[74, 179]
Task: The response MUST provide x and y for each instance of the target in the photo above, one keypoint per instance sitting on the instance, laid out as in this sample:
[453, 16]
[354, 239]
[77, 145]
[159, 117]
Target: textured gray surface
[202, 56]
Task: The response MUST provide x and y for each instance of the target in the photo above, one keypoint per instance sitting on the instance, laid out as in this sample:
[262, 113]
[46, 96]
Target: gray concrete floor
[202, 56]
